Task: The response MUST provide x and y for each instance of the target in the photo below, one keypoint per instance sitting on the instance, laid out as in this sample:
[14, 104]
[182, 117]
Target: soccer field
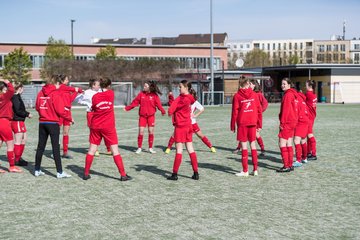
[321, 200]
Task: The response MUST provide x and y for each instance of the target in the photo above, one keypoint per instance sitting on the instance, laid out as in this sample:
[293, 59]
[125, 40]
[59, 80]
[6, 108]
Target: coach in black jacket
[18, 124]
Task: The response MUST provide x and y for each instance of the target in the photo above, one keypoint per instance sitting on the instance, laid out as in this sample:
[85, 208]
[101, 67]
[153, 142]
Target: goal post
[218, 98]
[123, 92]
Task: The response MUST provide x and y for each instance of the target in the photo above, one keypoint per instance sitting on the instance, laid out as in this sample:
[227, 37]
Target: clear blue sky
[36, 20]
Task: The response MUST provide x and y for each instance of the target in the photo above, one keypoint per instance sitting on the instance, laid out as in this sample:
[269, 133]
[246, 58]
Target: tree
[257, 58]
[55, 53]
[294, 59]
[17, 66]
[107, 53]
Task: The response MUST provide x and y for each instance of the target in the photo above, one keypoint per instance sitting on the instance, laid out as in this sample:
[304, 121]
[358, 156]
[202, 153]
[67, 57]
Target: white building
[355, 51]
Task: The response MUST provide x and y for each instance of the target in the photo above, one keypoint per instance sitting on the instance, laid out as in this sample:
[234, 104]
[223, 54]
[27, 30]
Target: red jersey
[5, 102]
[103, 108]
[233, 118]
[311, 101]
[148, 103]
[302, 109]
[246, 109]
[263, 102]
[181, 110]
[289, 108]
[50, 105]
[170, 99]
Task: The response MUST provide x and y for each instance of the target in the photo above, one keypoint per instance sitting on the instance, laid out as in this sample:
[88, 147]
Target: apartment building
[332, 51]
[355, 51]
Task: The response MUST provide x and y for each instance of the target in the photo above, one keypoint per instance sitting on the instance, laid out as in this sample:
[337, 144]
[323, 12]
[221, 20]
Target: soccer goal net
[123, 92]
[218, 98]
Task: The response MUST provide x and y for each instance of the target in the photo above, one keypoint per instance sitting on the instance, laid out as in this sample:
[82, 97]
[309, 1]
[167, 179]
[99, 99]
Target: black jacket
[19, 110]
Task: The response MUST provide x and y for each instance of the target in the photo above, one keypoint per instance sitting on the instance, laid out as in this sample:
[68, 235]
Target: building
[355, 51]
[332, 51]
[192, 59]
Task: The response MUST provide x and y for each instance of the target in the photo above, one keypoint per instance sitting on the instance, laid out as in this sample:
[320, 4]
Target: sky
[36, 20]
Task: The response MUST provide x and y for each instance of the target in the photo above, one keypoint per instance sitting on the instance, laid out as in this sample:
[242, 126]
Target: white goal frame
[208, 94]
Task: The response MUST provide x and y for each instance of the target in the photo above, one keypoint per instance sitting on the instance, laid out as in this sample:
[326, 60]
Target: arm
[264, 103]
[200, 109]
[259, 114]
[173, 106]
[234, 113]
[134, 103]
[59, 107]
[10, 92]
[158, 105]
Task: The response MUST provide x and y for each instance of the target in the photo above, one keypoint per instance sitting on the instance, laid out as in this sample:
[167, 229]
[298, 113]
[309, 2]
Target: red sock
[17, 152]
[313, 146]
[254, 157]
[304, 151]
[284, 156]
[22, 146]
[140, 140]
[261, 143]
[206, 141]
[11, 158]
[120, 165]
[194, 162]
[239, 145]
[298, 150]
[88, 161]
[290, 156]
[244, 159]
[151, 140]
[108, 148]
[65, 143]
[308, 146]
[171, 142]
[177, 162]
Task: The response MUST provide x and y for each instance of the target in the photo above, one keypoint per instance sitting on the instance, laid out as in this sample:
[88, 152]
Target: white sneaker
[63, 175]
[138, 151]
[255, 173]
[152, 150]
[39, 173]
[242, 174]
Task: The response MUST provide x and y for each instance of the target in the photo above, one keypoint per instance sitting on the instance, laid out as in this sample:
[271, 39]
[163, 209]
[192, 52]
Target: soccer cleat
[63, 175]
[21, 162]
[262, 153]
[86, 177]
[283, 169]
[255, 173]
[297, 164]
[15, 169]
[236, 150]
[97, 153]
[125, 178]
[173, 177]
[304, 161]
[66, 155]
[292, 168]
[138, 151]
[242, 174]
[312, 158]
[38, 173]
[213, 150]
[152, 151]
[167, 150]
[195, 176]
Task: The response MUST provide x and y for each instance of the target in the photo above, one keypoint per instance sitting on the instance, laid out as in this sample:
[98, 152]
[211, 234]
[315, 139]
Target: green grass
[318, 201]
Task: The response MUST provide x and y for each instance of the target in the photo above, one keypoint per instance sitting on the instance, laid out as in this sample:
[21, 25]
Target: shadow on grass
[80, 172]
[217, 167]
[128, 148]
[31, 168]
[155, 170]
[79, 150]
[261, 161]
[224, 148]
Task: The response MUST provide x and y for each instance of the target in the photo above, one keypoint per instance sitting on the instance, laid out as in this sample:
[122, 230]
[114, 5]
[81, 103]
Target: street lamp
[72, 36]
[211, 56]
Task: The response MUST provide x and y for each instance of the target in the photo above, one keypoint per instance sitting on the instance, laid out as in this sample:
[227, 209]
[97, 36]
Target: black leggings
[44, 131]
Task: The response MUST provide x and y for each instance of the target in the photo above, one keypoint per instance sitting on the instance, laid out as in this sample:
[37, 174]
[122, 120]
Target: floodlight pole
[72, 36]
[211, 55]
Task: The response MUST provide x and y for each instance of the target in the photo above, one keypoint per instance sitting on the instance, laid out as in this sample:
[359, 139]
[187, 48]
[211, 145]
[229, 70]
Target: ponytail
[153, 87]
[189, 87]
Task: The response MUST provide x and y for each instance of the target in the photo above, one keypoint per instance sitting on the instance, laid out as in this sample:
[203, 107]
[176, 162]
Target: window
[336, 57]
[284, 46]
[320, 58]
[256, 45]
[301, 54]
[328, 48]
[268, 46]
[247, 46]
[357, 46]
[301, 46]
[342, 57]
[356, 58]
[295, 46]
[279, 46]
[274, 46]
[263, 46]
[321, 48]
[1, 61]
[234, 46]
[290, 46]
[342, 47]
[335, 48]
[241, 46]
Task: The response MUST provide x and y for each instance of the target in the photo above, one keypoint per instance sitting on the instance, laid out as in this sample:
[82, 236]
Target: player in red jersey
[180, 110]
[51, 107]
[311, 101]
[6, 115]
[69, 94]
[102, 126]
[288, 120]
[245, 115]
[301, 131]
[236, 99]
[18, 124]
[148, 100]
[255, 86]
